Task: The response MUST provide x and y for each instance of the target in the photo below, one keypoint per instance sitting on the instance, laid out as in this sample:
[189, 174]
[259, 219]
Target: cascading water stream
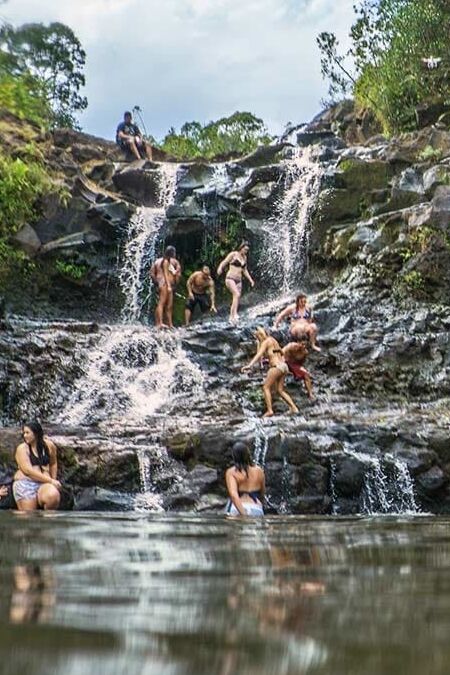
[284, 257]
[140, 248]
[387, 485]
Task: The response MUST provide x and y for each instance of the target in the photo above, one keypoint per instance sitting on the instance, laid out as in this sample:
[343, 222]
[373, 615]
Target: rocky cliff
[359, 221]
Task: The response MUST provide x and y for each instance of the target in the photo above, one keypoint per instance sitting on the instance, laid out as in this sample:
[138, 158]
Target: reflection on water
[155, 594]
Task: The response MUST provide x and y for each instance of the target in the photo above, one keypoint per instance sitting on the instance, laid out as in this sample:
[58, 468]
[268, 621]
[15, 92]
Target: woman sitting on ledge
[245, 484]
[35, 484]
[301, 317]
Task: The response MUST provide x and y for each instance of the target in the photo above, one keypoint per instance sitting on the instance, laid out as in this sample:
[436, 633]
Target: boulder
[99, 499]
[363, 175]
[27, 239]
[435, 176]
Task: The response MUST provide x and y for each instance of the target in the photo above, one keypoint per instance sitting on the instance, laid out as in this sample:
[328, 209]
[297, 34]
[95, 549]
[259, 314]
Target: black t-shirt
[129, 129]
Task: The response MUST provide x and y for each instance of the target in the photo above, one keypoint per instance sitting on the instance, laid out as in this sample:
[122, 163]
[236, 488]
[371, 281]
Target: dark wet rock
[417, 460]
[349, 477]
[99, 499]
[27, 238]
[202, 478]
[305, 138]
[435, 176]
[265, 154]
[431, 481]
[180, 502]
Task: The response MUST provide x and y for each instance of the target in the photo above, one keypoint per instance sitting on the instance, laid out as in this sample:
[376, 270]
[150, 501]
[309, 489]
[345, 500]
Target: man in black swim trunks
[129, 137]
[201, 292]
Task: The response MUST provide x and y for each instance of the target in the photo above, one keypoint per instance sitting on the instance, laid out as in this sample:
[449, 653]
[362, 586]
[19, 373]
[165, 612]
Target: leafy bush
[21, 184]
[23, 96]
[430, 154]
[71, 270]
[399, 58]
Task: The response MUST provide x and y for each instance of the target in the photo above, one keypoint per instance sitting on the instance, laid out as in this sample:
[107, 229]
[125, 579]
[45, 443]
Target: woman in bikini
[35, 484]
[237, 268]
[269, 348]
[165, 272]
[302, 323]
[245, 484]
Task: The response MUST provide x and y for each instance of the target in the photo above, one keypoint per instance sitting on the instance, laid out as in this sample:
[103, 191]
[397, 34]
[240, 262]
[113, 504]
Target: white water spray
[144, 229]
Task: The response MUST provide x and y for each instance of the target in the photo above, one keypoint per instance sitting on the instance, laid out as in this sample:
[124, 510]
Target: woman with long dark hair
[236, 261]
[165, 272]
[245, 484]
[35, 484]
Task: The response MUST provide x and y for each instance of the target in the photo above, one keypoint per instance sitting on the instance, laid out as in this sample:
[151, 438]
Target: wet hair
[127, 114]
[170, 252]
[242, 244]
[241, 456]
[38, 431]
[298, 298]
[205, 264]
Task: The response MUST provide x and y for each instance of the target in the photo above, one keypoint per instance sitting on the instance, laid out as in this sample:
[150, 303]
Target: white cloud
[196, 59]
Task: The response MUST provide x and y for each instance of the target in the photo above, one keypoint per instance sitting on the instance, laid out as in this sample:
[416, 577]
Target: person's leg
[48, 497]
[312, 332]
[133, 148]
[187, 316]
[168, 309]
[235, 290]
[284, 395]
[269, 382]
[308, 386]
[160, 307]
[27, 504]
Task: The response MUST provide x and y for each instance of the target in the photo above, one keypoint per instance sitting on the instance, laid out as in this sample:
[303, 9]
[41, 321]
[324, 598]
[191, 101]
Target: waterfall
[149, 460]
[387, 485]
[140, 247]
[130, 375]
[284, 257]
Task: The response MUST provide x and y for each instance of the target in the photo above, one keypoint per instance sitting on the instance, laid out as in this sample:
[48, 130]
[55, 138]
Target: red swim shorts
[298, 371]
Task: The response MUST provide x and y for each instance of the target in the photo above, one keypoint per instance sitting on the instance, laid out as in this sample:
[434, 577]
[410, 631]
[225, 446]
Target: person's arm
[24, 464]
[248, 277]
[283, 315]
[233, 492]
[178, 271]
[212, 295]
[263, 486]
[53, 464]
[3, 491]
[259, 354]
[311, 315]
[189, 285]
[224, 263]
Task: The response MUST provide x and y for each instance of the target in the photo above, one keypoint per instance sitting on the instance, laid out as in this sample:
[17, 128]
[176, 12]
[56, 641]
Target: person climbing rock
[301, 318]
[295, 354]
[35, 484]
[130, 139]
[166, 273]
[278, 369]
[236, 261]
[245, 483]
[201, 291]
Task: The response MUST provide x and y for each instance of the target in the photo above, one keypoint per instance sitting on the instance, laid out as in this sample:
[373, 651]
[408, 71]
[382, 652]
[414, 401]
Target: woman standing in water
[302, 323]
[35, 483]
[245, 484]
[237, 268]
[165, 272]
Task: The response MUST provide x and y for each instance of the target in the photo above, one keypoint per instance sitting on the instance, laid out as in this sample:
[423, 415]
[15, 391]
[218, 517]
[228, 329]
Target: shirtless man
[295, 354]
[268, 347]
[201, 292]
[165, 272]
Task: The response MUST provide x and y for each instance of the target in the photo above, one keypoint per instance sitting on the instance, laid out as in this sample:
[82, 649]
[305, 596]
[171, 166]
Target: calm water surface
[191, 595]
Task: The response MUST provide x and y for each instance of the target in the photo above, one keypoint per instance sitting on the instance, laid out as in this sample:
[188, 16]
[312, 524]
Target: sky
[185, 60]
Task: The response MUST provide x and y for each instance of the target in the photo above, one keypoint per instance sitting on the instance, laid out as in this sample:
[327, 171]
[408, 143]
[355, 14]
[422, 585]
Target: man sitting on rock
[295, 354]
[201, 292]
[129, 137]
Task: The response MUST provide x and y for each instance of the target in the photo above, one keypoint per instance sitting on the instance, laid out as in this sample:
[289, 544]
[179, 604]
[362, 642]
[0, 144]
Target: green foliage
[227, 237]
[387, 65]
[238, 134]
[413, 280]
[71, 270]
[53, 58]
[430, 154]
[21, 184]
[23, 96]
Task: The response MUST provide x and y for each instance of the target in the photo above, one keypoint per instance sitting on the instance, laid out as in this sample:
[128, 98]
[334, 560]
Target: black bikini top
[237, 263]
[34, 459]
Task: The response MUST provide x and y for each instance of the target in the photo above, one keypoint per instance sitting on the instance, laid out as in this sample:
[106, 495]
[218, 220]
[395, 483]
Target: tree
[385, 67]
[238, 134]
[54, 57]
